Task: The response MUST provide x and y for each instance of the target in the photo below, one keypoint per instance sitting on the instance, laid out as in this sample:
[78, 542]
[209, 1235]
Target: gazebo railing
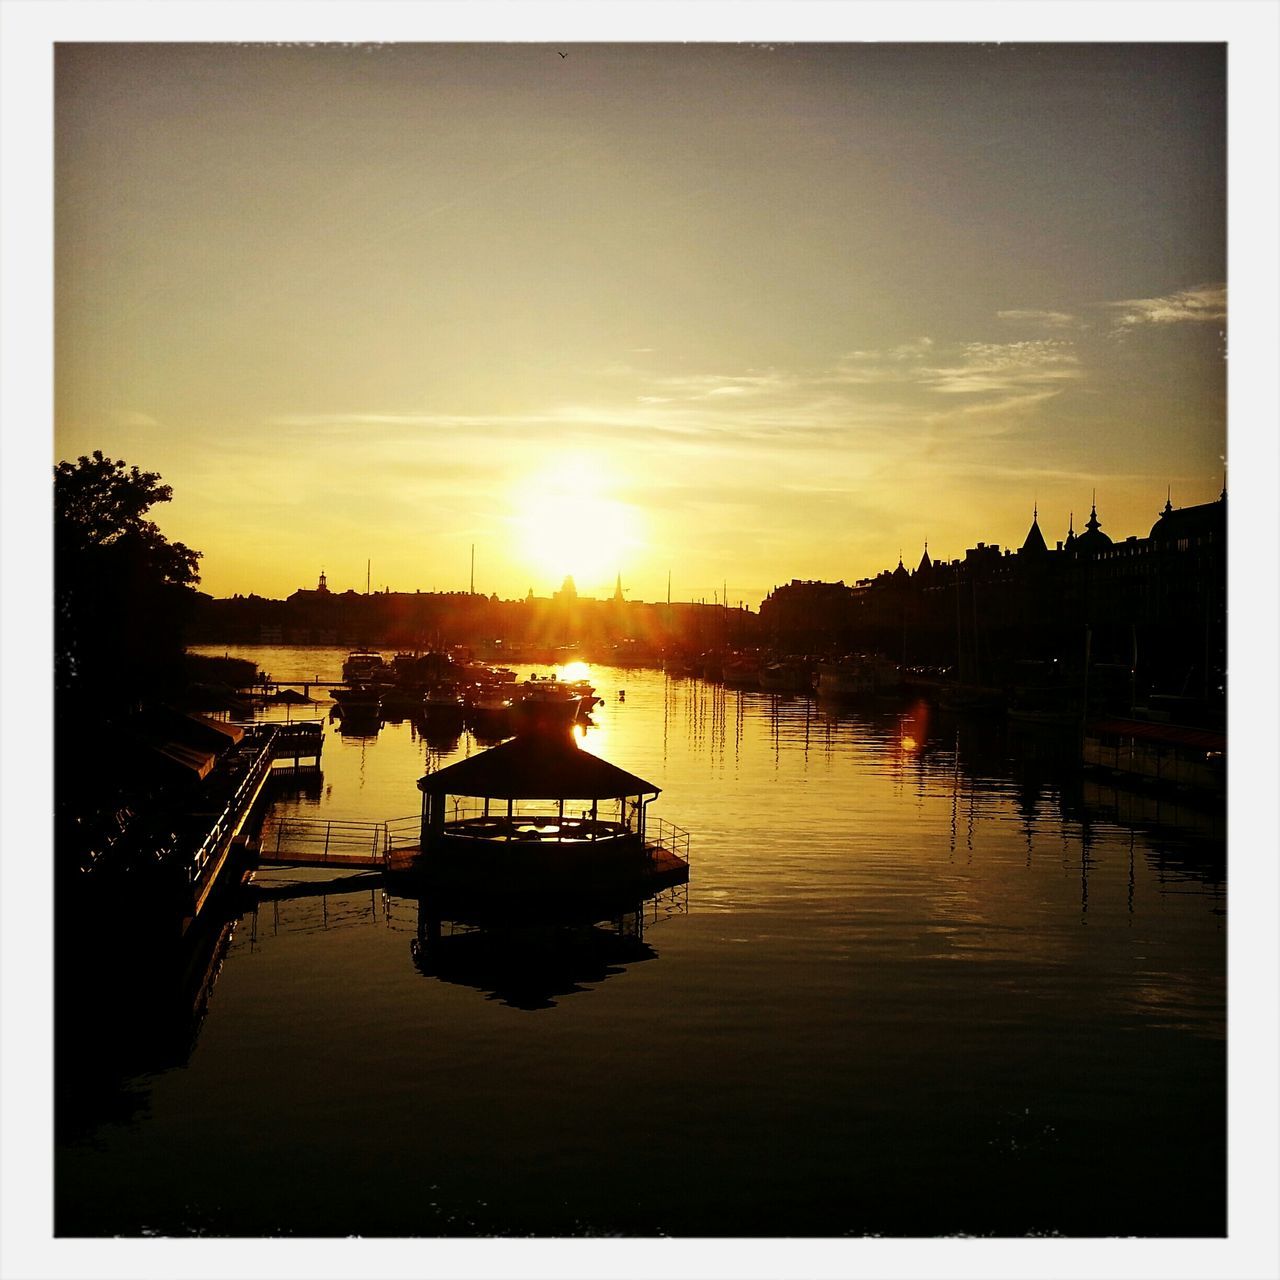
[461, 808]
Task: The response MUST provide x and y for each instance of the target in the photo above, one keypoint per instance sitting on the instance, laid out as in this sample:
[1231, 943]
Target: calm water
[917, 988]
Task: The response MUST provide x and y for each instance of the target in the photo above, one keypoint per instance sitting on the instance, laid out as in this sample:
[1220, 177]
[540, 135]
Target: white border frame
[1252, 32]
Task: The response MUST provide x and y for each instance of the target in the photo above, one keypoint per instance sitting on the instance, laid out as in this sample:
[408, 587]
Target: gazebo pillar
[433, 807]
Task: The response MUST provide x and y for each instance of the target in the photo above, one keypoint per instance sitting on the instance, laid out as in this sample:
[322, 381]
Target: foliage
[100, 503]
[122, 589]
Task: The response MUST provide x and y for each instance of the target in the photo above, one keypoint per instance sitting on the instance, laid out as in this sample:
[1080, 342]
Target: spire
[1168, 502]
[925, 563]
[1034, 542]
[617, 591]
[1092, 540]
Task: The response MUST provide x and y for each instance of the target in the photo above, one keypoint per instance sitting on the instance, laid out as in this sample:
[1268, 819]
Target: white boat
[363, 666]
[856, 678]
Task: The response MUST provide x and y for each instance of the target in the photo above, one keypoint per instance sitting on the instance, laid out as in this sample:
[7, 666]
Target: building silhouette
[1153, 605]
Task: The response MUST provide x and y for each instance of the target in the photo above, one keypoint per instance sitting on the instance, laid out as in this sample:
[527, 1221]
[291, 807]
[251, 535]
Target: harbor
[641, 656]
[778, 961]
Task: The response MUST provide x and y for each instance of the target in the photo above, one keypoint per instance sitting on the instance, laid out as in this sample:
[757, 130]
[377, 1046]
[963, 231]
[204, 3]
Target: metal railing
[659, 833]
[233, 812]
[401, 833]
[324, 842]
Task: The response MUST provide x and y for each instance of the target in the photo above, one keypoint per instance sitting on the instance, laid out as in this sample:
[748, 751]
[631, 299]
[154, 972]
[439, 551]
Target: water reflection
[123, 1013]
[530, 950]
[915, 934]
[529, 966]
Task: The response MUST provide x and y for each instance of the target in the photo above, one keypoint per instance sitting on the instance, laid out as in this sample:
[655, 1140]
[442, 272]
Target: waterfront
[919, 988]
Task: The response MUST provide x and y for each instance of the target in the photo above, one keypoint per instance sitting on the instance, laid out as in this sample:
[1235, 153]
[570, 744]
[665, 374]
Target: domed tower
[1070, 543]
[1092, 540]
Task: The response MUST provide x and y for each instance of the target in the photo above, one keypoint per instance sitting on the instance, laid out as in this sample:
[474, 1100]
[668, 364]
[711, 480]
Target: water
[922, 984]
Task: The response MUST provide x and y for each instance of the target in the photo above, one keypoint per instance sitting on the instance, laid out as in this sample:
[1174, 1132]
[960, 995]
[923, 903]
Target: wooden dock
[340, 844]
[392, 847]
[254, 758]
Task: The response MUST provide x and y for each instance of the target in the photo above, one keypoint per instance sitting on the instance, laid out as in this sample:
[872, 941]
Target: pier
[287, 841]
[274, 684]
[392, 847]
[245, 772]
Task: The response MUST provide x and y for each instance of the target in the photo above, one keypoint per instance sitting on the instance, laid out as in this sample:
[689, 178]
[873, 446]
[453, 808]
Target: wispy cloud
[1205, 303]
[703, 386]
[839, 425]
[997, 368]
[1042, 319]
[1001, 367]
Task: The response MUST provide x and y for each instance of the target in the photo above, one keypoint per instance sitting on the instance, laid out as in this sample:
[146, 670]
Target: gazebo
[535, 806]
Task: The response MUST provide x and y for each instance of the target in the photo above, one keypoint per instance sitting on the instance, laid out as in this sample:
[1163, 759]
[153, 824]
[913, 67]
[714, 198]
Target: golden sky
[740, 313]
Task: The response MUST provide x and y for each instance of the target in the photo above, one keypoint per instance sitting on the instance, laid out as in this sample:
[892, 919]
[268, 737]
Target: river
[924, 980]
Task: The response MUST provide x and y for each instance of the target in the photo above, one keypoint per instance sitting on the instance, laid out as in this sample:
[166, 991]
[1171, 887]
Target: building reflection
[1036, 768]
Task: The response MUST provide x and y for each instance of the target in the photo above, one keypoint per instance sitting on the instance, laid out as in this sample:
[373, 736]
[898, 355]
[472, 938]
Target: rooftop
[536, 766]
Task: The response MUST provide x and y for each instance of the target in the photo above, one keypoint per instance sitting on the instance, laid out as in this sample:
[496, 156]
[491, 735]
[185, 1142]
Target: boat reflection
[531, 959]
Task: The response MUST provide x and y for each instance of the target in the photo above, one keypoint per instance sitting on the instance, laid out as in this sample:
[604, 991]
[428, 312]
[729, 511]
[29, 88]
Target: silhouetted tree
[122, 589]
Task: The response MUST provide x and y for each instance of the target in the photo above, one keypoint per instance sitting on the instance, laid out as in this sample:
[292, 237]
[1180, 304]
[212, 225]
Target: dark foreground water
[925, 982]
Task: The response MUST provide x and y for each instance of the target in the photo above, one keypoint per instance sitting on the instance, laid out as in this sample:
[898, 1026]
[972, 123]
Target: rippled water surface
[925, 981]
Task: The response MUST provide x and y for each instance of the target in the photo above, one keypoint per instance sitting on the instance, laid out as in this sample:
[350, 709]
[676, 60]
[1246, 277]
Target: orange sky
[738, 313]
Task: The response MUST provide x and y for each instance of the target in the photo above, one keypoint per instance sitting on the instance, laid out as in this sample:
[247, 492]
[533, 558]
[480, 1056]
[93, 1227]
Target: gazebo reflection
[533, 956]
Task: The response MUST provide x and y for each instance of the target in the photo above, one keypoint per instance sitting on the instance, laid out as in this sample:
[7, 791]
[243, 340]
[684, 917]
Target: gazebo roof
[536, 767]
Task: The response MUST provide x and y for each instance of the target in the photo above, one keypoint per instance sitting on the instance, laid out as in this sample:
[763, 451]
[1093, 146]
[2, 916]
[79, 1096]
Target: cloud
[869, 412]
[998, 368]
[911, 350]
[1043, 319]
[1002, 367]
[1205, 303]
[132, 418]
[706, 385]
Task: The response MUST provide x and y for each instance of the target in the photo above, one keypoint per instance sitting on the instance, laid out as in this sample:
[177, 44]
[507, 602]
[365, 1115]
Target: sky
[736, 313]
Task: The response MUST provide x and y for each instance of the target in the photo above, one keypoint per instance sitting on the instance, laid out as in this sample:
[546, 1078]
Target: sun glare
[565, 523]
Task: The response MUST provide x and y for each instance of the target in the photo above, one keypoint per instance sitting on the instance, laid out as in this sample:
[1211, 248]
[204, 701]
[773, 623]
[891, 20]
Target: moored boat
[856, 677]
[357, 699]
[1183, 756]
[363, 667]
[547, 704]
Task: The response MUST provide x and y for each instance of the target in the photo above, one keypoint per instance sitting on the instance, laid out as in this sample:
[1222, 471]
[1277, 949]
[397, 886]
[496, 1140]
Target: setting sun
[565, 523]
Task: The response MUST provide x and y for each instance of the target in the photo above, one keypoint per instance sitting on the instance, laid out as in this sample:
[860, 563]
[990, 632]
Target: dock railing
[323, 842]
[335, 842]
[235, 809]
[661, 834]
[401, 833]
